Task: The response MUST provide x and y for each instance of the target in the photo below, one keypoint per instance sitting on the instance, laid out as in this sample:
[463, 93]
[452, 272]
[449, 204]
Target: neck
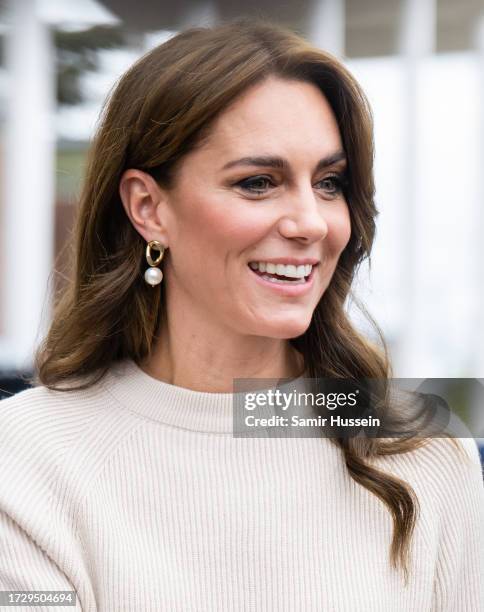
[210, 359]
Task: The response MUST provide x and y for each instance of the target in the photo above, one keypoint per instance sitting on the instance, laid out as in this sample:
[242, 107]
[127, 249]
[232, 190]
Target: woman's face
[264, 189]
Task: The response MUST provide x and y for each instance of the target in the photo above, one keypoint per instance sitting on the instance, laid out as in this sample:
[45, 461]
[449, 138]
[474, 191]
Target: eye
[334, 184]
[255, 185]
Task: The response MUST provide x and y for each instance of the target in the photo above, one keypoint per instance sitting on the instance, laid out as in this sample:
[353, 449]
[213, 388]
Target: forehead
[279, 116]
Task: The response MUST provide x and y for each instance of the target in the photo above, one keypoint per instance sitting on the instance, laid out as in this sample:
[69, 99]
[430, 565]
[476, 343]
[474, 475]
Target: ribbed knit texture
[136, 495]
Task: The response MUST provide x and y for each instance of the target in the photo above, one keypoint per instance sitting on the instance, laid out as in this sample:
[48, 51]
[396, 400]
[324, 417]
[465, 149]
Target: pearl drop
[153, 276]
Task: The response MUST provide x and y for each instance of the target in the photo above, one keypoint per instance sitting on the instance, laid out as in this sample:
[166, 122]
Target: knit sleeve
[459, 577]
[24, 566]
[39, 547]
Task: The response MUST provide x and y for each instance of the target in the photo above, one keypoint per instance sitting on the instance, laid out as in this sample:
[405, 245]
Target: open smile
[283, 284]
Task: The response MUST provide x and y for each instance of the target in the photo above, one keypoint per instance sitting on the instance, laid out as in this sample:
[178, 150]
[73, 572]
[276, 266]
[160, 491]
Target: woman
[220, 154]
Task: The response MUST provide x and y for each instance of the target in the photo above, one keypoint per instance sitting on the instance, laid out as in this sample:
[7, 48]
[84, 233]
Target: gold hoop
[154, 244]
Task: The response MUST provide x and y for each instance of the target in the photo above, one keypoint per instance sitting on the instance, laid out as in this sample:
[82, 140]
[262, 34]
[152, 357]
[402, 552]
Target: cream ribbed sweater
[135, 494]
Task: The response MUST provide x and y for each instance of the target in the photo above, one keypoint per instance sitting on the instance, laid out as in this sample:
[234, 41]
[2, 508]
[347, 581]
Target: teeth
[289, 270]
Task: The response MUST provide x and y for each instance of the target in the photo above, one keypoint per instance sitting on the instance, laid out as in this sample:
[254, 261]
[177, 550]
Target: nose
[304, 219]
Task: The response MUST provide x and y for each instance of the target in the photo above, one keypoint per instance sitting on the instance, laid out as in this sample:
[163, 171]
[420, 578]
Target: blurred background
[421, 63]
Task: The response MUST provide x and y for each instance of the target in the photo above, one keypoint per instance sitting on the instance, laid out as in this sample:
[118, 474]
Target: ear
[141, 197]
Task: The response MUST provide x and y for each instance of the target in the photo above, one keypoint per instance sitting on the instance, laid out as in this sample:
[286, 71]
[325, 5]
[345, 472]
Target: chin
[285, 329]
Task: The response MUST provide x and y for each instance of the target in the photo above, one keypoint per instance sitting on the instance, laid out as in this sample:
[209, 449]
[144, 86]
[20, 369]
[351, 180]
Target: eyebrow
[271, 161]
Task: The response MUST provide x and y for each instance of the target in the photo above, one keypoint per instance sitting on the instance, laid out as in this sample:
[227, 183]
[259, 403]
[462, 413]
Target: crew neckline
[200, 411]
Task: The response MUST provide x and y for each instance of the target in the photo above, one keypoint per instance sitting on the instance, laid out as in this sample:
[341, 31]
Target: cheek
[339, 230]
[222, 223]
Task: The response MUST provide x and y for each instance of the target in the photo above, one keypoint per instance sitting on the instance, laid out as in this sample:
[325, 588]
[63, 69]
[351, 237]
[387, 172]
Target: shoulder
[51, 441]
[38, 426]
[452, 462]
[39, 414]
[433, 457]
[53, 446]
[59, 420]
[445, 473]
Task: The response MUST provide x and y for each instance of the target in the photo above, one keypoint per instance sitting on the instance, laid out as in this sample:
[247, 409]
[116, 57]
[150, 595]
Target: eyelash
[339, 179]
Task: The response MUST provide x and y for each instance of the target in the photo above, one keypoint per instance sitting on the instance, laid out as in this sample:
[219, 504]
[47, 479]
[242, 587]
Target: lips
[295, 261]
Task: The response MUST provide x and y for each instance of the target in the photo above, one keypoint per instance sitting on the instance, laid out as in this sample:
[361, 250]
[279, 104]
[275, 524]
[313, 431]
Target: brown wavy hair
[161, 109]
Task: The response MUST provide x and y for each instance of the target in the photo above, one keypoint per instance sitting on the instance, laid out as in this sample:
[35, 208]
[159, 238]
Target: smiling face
[264, 188]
